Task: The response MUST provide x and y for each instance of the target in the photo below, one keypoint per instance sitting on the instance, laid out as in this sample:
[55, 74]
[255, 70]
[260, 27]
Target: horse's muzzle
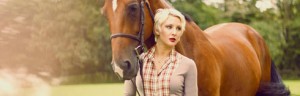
[123, 71]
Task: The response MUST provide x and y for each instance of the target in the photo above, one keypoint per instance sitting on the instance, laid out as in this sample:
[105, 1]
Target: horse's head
[125, 19]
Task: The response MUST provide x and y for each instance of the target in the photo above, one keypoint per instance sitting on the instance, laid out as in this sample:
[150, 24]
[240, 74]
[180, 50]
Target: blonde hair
[162, 15]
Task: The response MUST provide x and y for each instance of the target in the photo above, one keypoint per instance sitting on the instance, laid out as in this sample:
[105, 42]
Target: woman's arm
[190, 81]
[129, 88]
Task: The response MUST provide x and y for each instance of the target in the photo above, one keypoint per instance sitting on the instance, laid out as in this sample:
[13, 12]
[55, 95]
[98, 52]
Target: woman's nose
[173, 32]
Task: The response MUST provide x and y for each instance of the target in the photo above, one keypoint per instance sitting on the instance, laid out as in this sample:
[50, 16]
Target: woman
[165, 71]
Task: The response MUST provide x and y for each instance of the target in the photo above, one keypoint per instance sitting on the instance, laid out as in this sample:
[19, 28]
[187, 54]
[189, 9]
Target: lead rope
[135, 87]
[141, 43]
[141, 74]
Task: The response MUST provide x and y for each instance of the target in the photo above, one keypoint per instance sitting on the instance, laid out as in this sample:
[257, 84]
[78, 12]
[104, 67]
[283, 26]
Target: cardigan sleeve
[129, 88]
[190, 81]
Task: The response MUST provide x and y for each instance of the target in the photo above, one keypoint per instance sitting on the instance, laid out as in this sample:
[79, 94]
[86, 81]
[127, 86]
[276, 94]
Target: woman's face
[170, 32]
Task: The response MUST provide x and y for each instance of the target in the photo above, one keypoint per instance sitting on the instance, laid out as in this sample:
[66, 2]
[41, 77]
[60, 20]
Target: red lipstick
[172, 39]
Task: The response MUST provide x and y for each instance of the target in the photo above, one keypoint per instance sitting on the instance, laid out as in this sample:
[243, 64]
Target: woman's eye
[169, 27]
[179, 28]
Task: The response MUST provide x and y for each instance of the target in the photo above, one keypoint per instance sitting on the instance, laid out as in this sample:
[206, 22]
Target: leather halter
[139, 38]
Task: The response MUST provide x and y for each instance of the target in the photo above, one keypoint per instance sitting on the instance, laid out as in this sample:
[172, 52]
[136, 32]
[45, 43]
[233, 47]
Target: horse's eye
[132, 9]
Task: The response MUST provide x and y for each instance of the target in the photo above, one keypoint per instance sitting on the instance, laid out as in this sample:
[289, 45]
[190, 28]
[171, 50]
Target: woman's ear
[156, 31]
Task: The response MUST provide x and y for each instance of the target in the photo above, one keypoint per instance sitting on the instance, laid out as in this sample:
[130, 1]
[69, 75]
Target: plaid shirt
[157, 82]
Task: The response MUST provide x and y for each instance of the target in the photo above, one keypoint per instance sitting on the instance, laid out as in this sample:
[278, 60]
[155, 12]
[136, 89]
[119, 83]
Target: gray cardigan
[183, 80]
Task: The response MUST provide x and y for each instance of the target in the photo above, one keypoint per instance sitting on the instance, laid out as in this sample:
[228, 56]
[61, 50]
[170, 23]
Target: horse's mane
[187, 17]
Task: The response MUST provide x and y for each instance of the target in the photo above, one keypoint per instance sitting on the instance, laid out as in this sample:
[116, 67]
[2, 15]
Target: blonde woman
[165, 71]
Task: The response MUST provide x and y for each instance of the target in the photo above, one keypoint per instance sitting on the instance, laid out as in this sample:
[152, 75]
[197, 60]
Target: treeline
[69, 39]
[279, 26]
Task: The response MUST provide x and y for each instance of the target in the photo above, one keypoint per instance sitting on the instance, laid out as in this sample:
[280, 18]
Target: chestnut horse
[232, 58]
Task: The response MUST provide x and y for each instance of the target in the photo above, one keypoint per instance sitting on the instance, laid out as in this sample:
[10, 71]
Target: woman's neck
[193, 38]
[162, 51]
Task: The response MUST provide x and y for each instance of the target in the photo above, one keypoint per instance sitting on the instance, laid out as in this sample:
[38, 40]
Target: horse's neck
[194, 38]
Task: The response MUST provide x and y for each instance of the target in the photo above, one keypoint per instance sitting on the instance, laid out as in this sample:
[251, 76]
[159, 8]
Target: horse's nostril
[127, 64]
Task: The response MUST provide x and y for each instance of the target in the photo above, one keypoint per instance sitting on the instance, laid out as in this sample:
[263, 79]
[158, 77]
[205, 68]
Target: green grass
[116, 89]
[294, 86]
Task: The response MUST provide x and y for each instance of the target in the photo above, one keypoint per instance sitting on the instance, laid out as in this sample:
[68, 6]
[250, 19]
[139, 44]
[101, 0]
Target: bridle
[139, 38]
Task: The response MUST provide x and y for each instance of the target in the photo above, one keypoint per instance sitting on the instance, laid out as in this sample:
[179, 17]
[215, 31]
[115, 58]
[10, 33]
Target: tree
[289, 12]
[278, 25]
[202, 14]
[62, 37]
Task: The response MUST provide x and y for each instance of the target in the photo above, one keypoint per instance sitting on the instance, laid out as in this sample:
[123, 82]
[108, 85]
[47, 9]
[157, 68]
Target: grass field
[294, 86]
[116, 89]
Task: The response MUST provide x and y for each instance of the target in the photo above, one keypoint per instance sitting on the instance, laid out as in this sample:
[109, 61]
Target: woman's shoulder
[186, 65]
[186, 60]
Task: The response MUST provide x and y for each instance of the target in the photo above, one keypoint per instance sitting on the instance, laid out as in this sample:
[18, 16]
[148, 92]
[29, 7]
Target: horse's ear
[101, 10]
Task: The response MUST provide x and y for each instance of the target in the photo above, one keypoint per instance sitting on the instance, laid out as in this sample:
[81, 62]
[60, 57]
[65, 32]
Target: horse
[231, 58]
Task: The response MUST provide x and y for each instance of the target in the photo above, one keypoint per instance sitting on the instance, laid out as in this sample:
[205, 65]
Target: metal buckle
[139, 50]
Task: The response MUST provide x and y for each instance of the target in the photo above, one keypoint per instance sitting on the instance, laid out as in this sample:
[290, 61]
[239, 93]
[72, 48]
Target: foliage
[203, 15]
[290, 17]
[279, 26]
[70, 38]
[70, 32]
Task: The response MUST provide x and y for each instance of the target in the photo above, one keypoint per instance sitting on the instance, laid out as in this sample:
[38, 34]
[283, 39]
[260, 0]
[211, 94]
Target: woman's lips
[172, 39]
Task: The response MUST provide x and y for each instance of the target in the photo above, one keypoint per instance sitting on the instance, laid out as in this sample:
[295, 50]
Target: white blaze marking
[118, 70]
[114, 5]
